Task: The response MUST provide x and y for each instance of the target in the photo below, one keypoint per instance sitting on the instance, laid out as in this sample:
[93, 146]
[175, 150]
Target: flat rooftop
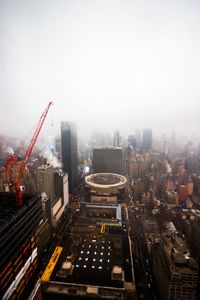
[103, 212]
[95, 254]
[8, 210]
[92, 260]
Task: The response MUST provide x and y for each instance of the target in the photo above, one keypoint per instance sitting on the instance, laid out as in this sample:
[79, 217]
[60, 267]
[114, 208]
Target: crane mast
[13, 160]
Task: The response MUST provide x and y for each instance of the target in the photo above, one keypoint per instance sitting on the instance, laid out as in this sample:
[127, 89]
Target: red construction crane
[13, 161]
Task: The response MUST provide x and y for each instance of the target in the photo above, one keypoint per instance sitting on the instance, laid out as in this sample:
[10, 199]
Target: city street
[145, 284]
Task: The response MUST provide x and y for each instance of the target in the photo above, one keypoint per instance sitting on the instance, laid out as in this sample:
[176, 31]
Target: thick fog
[106, 64]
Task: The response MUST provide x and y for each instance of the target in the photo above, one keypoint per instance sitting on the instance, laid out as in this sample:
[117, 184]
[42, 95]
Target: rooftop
[105, 180]
[95, 254]
[177, 250]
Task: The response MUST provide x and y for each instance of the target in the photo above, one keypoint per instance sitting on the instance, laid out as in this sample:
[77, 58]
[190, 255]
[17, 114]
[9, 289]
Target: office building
[137, 165]
[45, 181]
[116, 139]
[69, 152]
[189, 221]
[108, 160]
[147, 139]
[54, 183]
[19, 245]
[132, 141]
[61, 185]
[176, 272]
[58, 144]
[61, 197]
[138, 138]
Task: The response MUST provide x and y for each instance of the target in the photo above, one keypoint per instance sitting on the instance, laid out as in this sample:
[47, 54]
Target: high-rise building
[45, 181]
[116, 139]
[147, 139]
[69, 152]
[54, 183]
[108, 160]
[61, 186]
[19, 245]
[163, 143]
[58, 144]
[138, 138]
[132, 141]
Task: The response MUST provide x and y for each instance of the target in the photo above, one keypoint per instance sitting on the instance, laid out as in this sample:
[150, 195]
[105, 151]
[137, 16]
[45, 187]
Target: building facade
[54, 183]
[147, 139]
[19, 247]
[117, 139]
[176, 272]
[69, 152]
[45, 181]
[105, 187]
[108, 160]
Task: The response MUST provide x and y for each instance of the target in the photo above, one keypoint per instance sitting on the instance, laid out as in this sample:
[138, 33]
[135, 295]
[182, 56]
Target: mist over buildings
[109, 190]
[107, 65]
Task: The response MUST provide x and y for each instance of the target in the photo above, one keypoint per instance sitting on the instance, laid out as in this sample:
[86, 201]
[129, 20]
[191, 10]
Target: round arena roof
[105, 180]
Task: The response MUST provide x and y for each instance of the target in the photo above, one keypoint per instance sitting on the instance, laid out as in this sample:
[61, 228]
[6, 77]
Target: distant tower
[190, 187]
[163, 143]
[132, 141]
[138, 138]
[58, 144]
[116, 139]
[69, 152]
[147, 139]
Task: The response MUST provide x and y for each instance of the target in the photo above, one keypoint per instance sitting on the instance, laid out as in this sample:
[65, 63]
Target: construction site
[24, 231]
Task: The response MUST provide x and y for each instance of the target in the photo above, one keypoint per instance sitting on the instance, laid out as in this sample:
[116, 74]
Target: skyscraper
[138, 138]
[45, 181]
[132, 141]
[147, 139]
[69, 152]
[116, 139]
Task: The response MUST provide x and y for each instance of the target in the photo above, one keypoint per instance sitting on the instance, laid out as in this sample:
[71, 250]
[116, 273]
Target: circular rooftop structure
[105, 180]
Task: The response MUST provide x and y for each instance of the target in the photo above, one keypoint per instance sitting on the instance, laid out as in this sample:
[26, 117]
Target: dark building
[95, 261]
[175, 271]
[108, 160]
[69, 152]
[20, 244]
[147, 139]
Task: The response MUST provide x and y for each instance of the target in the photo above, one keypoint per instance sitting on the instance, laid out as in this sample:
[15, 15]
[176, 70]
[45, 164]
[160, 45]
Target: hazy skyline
[106, 64]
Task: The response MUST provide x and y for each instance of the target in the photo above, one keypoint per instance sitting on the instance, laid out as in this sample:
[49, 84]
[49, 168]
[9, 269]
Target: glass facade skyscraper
[69, 152]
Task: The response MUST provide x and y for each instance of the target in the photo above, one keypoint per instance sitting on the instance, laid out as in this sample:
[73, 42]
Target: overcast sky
[106, 64]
